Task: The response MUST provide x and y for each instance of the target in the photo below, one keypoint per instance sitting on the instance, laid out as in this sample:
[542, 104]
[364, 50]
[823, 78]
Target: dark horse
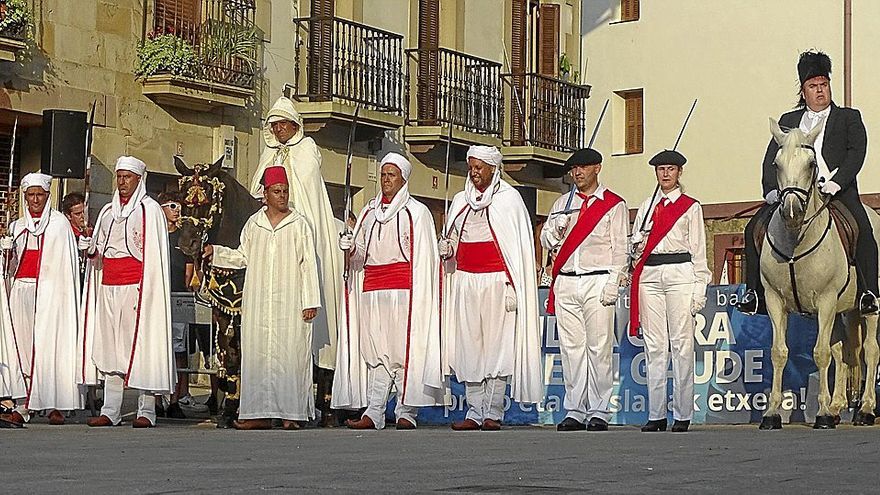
[215, 207]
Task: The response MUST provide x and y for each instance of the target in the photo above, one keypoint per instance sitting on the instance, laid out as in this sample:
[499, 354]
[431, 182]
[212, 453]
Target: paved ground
[187, 456]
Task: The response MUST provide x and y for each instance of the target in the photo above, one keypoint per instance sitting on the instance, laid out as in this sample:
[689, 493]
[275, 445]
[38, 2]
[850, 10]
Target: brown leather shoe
[56, 418]
[289, 424]
[253, 424]
[99, 421]
[405, 424]
[16, 417]
[365, 423]
[142, 422]
[491, 425]
[466, 425]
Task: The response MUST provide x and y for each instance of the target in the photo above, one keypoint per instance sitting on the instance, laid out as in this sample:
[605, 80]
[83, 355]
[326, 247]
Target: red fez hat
[274, 175]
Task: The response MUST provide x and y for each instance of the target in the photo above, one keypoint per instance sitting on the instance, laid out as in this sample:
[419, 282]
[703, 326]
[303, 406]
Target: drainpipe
[847, 53]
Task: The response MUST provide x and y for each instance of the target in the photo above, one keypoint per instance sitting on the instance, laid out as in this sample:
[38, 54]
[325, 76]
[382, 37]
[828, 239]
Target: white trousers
[665, 292]
[116, 317]
[384, 321]
[485, 399]
[379, 382]
[585, 340]
[484, 342]
[22, 306]
[114, 387]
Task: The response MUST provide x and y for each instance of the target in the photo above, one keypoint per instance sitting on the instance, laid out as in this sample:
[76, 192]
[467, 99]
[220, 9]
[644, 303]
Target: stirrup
[749, 303]
[868, 303]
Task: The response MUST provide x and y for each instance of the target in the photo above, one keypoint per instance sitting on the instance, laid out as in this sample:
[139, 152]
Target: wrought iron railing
[455, 88]
[349, 61]
[547, 112]
[222, 34]
[14, 22]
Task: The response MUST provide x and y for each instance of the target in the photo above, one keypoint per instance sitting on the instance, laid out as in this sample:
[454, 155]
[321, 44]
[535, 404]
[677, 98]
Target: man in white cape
[44, 304]
[287, 146]
[490, 298]
[126, 337]
[392, 336]
[279, 302]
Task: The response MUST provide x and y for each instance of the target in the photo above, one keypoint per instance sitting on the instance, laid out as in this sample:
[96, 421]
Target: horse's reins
[803, 197]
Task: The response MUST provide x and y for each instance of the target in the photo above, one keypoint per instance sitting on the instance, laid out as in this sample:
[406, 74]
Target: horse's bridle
[195, 197]
[803, 196]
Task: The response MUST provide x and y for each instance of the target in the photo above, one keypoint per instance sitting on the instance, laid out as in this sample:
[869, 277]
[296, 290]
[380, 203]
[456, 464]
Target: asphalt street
[191, 456]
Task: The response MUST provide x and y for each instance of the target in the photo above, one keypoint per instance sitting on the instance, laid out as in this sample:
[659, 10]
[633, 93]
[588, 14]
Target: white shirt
[688, 235]
[809, 121]
[386, 243]
[126, 236]
[476, 226]
[605, 248]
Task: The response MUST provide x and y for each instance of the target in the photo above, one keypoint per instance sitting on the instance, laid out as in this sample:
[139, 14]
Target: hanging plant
[15, 18]
[166, 54]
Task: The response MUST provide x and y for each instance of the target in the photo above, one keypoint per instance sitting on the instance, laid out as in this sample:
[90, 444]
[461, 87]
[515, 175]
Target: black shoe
[597, 424]
[174, 411]
[655, 425]
[680, 426]
[160, 409]
[749, 303]
[868, 303]
[570, 424]
[212, 405]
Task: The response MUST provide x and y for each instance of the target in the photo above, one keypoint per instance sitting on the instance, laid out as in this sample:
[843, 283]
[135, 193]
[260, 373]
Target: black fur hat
[813, 64]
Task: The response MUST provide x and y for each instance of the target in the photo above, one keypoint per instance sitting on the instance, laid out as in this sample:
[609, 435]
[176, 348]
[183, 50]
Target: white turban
[487, 154]
[36, 179]
[400, 162]
[131, 164]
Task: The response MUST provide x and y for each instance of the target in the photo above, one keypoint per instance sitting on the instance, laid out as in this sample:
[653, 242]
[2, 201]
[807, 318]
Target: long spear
[87, 182]
[8, 254]
[446, 198]
[347, 213]
[571, 190]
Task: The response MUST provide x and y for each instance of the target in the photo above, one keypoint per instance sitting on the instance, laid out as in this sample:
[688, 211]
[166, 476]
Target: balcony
[15, 17]
[452, 89]
[347, 65]
[548, 122]
[201, 54]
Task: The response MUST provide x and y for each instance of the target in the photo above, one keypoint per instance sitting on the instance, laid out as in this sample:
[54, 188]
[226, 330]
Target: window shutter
[321, 50]
[178, 17]
[629, 10]
[429, 61]
[634, 122]
[548, 40]
[518, 33]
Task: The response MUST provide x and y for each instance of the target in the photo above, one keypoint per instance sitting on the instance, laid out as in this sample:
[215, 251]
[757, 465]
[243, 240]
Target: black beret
[584, 156]
[668, 157]
[813, 64]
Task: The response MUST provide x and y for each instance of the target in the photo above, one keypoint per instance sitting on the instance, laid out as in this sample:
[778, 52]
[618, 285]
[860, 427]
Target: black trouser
[866, 246]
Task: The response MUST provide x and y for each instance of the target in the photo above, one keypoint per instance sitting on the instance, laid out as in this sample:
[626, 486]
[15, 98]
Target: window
[629, 10]
[633, 120]
[548, 40]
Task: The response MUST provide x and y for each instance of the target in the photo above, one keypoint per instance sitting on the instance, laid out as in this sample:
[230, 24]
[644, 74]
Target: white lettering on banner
[722, 299]
[753, 365]
[731, 401]
[718, 331]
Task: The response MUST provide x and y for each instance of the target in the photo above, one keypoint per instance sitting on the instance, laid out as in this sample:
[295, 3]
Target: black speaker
[530, 198]
[64, 144]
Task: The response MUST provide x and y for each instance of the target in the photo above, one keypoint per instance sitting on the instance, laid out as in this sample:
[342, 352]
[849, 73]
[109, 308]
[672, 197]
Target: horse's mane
[238, 206]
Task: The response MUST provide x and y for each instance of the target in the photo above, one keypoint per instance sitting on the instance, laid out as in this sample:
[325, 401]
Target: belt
[594, 272]
[667, 259]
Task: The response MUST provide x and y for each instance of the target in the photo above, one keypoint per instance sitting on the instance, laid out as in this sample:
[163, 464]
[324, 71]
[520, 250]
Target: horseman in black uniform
[840, 153]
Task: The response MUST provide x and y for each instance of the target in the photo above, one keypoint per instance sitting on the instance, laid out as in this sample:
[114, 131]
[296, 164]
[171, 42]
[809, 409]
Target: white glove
[697, 304]
[444, 246]
[560, 225]
[6, 242]
[772, 197]
[509, 298]
[84, 243]
[609, 294]
[830, 187]
[346, 241]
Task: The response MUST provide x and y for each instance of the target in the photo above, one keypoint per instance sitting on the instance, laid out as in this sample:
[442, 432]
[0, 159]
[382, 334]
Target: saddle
[843, 221]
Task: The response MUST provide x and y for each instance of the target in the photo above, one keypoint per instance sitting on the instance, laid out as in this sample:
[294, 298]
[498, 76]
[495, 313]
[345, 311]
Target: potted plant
[166, 54]
[15, 18]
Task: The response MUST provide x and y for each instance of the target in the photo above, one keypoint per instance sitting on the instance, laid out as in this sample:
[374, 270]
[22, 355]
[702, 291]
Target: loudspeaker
[64, 144]
[530, 198]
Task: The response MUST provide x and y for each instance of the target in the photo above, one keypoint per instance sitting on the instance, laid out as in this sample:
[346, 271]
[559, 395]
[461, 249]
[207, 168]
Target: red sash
[29, 266]
[388, 277]
[663, 223]
[587, 220]
[479, 257]
[122, 271]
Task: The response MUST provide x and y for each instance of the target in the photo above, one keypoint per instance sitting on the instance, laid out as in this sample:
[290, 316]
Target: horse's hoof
[836, 419]
[857, 418]
[772, 422]
[863, 419]
[226, 422]
[824, 423]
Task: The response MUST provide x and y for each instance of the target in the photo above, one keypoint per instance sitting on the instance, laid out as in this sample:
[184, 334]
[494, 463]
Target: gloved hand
[6, 242]
[444, 246]
[346, 241]
[830, 187]
[560, 225]
[609, 294]
[697, 304]
[509, 298]
[772, 197]
[84, 243]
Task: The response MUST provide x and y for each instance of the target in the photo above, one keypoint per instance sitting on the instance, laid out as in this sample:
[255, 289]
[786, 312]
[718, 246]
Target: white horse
[804, 269]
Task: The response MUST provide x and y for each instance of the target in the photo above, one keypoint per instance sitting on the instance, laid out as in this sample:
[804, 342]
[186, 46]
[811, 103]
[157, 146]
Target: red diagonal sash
[662, 225]
[585, 225]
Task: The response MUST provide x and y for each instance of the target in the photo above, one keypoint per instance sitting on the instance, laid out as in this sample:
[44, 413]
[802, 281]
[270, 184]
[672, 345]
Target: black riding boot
[752, 301]
[866, 252]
